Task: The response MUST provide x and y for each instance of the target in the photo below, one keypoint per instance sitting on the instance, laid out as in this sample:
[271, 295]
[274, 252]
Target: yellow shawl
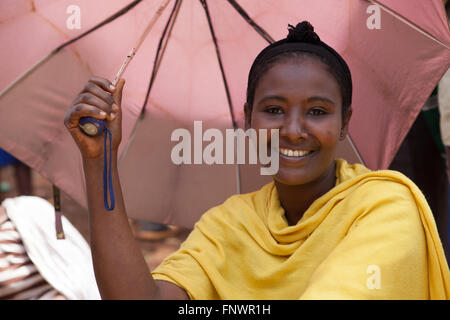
[372, 236]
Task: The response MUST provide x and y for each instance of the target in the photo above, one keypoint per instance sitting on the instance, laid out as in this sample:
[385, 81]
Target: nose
[294, 128]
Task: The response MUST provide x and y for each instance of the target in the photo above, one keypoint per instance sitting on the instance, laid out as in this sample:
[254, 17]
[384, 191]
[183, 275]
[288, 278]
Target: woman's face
[302, 99]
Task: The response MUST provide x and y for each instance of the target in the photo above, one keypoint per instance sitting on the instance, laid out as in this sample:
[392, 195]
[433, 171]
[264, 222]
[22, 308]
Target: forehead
[299, 77]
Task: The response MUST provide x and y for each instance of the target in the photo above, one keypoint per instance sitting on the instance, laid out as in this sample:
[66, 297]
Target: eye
[274, 110]
[317, 112]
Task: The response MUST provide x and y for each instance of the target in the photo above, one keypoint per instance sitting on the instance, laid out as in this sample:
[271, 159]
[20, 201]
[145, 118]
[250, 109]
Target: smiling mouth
[295, 154]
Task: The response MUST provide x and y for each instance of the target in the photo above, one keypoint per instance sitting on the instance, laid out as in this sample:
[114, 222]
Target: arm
[119, 265]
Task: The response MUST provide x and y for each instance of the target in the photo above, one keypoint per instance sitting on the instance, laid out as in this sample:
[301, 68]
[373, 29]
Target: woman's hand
[120, 268]
[100, 100]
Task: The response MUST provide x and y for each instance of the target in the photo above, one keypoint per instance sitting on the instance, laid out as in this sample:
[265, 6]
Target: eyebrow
[273, 97]
[321, 99]
[315, 98]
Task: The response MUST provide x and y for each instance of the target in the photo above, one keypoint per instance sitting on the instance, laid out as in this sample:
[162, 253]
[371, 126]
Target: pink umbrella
[194, 66]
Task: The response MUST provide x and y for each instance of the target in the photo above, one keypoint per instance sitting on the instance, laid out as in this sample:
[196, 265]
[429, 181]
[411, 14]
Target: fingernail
[115, 107]
[113, 116]
[112, 87]
[102, 113]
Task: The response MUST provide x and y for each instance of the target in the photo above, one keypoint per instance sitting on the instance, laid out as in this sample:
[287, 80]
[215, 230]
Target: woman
[323, 229]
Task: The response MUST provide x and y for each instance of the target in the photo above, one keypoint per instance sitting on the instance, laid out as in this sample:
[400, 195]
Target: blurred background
[157, 241]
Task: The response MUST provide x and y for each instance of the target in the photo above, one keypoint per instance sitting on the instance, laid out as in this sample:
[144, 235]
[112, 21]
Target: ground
[155, 245]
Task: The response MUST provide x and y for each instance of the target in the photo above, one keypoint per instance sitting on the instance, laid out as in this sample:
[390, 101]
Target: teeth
[294, 153]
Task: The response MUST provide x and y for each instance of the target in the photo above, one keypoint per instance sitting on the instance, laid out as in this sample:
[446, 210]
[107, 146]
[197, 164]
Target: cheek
[259, 122]
[327, 134]
[331, 136]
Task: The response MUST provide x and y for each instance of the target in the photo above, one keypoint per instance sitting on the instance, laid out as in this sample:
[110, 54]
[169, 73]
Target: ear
[248, 116]
[345, 122]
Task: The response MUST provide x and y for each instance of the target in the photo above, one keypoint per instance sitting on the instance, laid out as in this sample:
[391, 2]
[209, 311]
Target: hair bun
[303, 32]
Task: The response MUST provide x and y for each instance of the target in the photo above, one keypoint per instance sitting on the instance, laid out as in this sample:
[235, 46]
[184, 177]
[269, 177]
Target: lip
[297, 160]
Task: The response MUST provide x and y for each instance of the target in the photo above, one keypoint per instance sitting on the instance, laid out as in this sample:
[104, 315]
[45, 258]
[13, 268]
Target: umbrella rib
[409, 23]
[224, 78]
[219, 58]
[355, 150]
[65, 44]
[157, 62]
[251, 22]
[113, 17]
[161, 50]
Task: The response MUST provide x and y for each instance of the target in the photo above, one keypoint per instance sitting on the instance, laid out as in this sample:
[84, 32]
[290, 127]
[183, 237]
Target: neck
[297, 199]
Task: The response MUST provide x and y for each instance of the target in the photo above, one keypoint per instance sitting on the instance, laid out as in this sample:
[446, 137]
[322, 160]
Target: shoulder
[389, 198]
[372, 186]
[385, 197]
[389, 185]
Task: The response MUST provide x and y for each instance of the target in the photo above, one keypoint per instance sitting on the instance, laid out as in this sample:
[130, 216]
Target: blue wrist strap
[107, 176]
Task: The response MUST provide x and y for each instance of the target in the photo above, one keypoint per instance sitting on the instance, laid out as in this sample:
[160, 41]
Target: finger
[90, 99]
[117, 93]
[72, 118]
[103, 83]
[99, 92]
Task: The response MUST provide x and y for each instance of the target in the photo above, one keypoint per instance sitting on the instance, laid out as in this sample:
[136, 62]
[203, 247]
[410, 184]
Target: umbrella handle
[95, 127]
[91, 126]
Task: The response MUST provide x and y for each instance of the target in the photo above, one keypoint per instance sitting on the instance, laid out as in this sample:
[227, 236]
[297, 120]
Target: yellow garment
[372, 236]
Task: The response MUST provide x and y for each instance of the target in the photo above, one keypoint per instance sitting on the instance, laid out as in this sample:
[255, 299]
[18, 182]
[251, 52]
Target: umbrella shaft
[139, 42]
[124, 66]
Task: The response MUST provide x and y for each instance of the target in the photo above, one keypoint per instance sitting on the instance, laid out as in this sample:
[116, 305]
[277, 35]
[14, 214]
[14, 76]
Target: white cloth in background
[19, 278]
[65, 264]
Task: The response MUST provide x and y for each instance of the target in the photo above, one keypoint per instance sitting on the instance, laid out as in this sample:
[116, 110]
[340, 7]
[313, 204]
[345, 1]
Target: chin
[292, 178]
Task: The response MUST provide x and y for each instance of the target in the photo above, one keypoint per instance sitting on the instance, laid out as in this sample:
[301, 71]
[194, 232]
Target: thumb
[117, 93]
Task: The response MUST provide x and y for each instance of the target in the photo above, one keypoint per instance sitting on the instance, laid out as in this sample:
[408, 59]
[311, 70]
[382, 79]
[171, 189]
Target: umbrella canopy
[194, 66]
